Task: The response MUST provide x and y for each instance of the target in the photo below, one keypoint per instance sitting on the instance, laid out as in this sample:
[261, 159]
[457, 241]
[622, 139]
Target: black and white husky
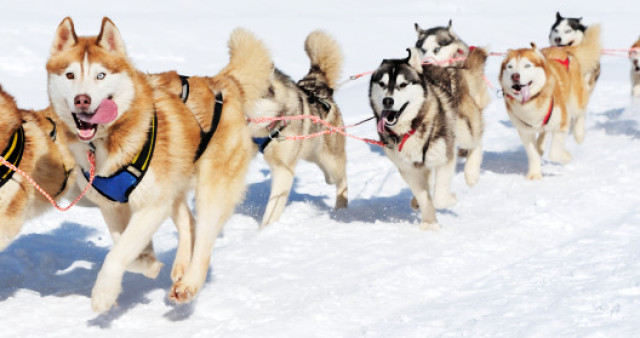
[570, 32]
[440, 45]
[416, 107]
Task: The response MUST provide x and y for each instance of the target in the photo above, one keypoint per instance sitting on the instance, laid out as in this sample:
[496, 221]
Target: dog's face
[439, 44]
[566, 31]
[634, 57]
[396, 93]
[523, 74]
[89, 79]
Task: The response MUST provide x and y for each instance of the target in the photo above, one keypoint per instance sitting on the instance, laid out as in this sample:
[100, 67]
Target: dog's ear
[418, 29]
[65, 37]
[109, 37]
[449, 26]
[558, 16]
[580, 20]
[533, 45]
[414, 59]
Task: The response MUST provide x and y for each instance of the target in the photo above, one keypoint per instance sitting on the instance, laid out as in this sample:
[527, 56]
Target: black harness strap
[54, 133]
[205, 137]
[12, 154]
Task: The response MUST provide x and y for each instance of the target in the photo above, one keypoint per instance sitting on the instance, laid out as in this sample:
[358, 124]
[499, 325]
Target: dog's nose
[515, 77]
[82, 102]
[387, 102]
[558, 40]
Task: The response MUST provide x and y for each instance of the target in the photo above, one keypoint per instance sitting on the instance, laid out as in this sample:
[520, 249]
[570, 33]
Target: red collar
[405, 138]
[564, 62]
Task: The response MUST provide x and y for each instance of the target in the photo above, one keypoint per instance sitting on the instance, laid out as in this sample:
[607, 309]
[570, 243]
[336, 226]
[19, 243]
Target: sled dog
[634, 57]
[442, 44]
[544, 89]
[33, 142]
[150, 150]
[570, 32]
[416, 107]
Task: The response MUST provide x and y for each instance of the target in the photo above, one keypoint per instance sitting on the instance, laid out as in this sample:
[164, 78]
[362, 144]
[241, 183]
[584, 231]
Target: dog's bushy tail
[250, 64]
[589, 51]
[325, 55]
[476, 61]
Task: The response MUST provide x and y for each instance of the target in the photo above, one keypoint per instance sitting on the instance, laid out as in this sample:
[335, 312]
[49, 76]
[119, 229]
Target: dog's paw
[153, 270]
[563, 157]
[182, 293]
[471, 176]
[534, 175]
[103, 296]
[429, 226]
[414, 204]
[444, 201]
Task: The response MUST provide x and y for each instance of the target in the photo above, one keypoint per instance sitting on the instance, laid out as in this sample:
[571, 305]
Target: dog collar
[12, 154]
[121, 184]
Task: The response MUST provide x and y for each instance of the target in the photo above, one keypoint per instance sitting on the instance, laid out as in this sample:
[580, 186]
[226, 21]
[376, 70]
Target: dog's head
[89, 79]
[396, 92]
[634, 57]
[9, 118]
[440, 44]
[523, 73]
[566, 31]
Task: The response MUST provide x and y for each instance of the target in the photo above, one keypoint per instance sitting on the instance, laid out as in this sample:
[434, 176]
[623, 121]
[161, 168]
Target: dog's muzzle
[389, 118]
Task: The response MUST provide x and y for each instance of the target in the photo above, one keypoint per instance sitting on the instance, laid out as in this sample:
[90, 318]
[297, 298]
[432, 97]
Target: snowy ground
[514, 258]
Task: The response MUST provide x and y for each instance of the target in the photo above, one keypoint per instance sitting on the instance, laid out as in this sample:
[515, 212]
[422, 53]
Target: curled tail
[476, 60]
[250, 64]
[325, 55]
[588, 52]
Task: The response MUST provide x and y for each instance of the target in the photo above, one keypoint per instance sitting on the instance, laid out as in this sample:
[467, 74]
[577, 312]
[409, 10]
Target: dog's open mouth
[570, 43]
[87, 123]
[389, 117]
[523, 90]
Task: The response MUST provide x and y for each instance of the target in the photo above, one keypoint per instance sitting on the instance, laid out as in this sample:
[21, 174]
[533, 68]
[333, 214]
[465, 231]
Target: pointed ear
[65, 37]
[109, 37]
[533, 45]
[418, 29]
[558, 16]
[580, 19]
[449, 26]
[415, 59]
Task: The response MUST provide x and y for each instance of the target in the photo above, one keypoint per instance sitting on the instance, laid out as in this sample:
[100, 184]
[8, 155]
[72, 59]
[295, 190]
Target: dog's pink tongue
[106, 112]
[526, 94]
[381, 124]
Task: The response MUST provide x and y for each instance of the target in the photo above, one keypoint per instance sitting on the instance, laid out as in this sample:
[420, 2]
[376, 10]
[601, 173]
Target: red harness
[564, 62]
[405, 138]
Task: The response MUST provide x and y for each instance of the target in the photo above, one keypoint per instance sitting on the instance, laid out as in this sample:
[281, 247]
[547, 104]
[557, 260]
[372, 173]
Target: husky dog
[33, 142]
[313, 95]
[442, 44]
[150, 149]
[545, 89]
[416, 107]
[570, 32]
[634, 57]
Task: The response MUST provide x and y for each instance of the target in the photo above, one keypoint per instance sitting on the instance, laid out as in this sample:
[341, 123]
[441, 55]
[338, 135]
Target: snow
[555, 257]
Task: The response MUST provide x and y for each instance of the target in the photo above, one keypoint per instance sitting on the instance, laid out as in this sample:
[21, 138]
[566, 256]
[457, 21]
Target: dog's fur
[416, 107]
[567, 32]
[634, 57]
[440, 44]
[98, 67]
[313, 95]
[536, 82]
[45, 158]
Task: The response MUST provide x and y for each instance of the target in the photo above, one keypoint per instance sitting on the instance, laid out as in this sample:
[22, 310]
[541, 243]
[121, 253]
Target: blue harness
[119, 186]
[12, 154]
[263, 142]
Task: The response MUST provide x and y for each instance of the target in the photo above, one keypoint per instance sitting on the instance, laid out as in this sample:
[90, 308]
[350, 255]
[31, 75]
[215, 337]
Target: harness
[121, 184]
[205, 137]
[12, 154]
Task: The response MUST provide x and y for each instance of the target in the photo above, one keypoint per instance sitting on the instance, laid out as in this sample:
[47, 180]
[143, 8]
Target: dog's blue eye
[101, 76]
[436, 50]
[510, 67]
[70, 76]
[527, 66]
[568, 31]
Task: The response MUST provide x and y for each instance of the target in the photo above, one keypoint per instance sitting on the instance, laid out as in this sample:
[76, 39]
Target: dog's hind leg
[558, 153]
[579, 129]
[472, 167]
[185, 224]
[333, 165]
[281, 182]
[442, 196]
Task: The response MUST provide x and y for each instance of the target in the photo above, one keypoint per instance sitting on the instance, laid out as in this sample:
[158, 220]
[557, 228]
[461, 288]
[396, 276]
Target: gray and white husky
[313, 95]
[442, 45]
[570, 32]
[416, 107]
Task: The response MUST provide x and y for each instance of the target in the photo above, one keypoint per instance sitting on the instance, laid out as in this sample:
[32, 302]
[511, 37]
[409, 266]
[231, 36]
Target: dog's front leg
[417, 180]
[529, 142]
[185, 223]
[132, 241]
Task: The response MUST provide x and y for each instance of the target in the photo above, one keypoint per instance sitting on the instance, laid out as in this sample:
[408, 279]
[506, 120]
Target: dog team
[157, 137]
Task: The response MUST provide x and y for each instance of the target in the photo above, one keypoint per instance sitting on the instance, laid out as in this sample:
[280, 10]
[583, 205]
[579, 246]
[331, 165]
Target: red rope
[92, 162]
[315, 119]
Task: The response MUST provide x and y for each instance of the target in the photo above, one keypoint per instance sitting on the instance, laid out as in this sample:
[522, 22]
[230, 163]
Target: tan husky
[150, 150]
[544, 90]
[31, 141]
